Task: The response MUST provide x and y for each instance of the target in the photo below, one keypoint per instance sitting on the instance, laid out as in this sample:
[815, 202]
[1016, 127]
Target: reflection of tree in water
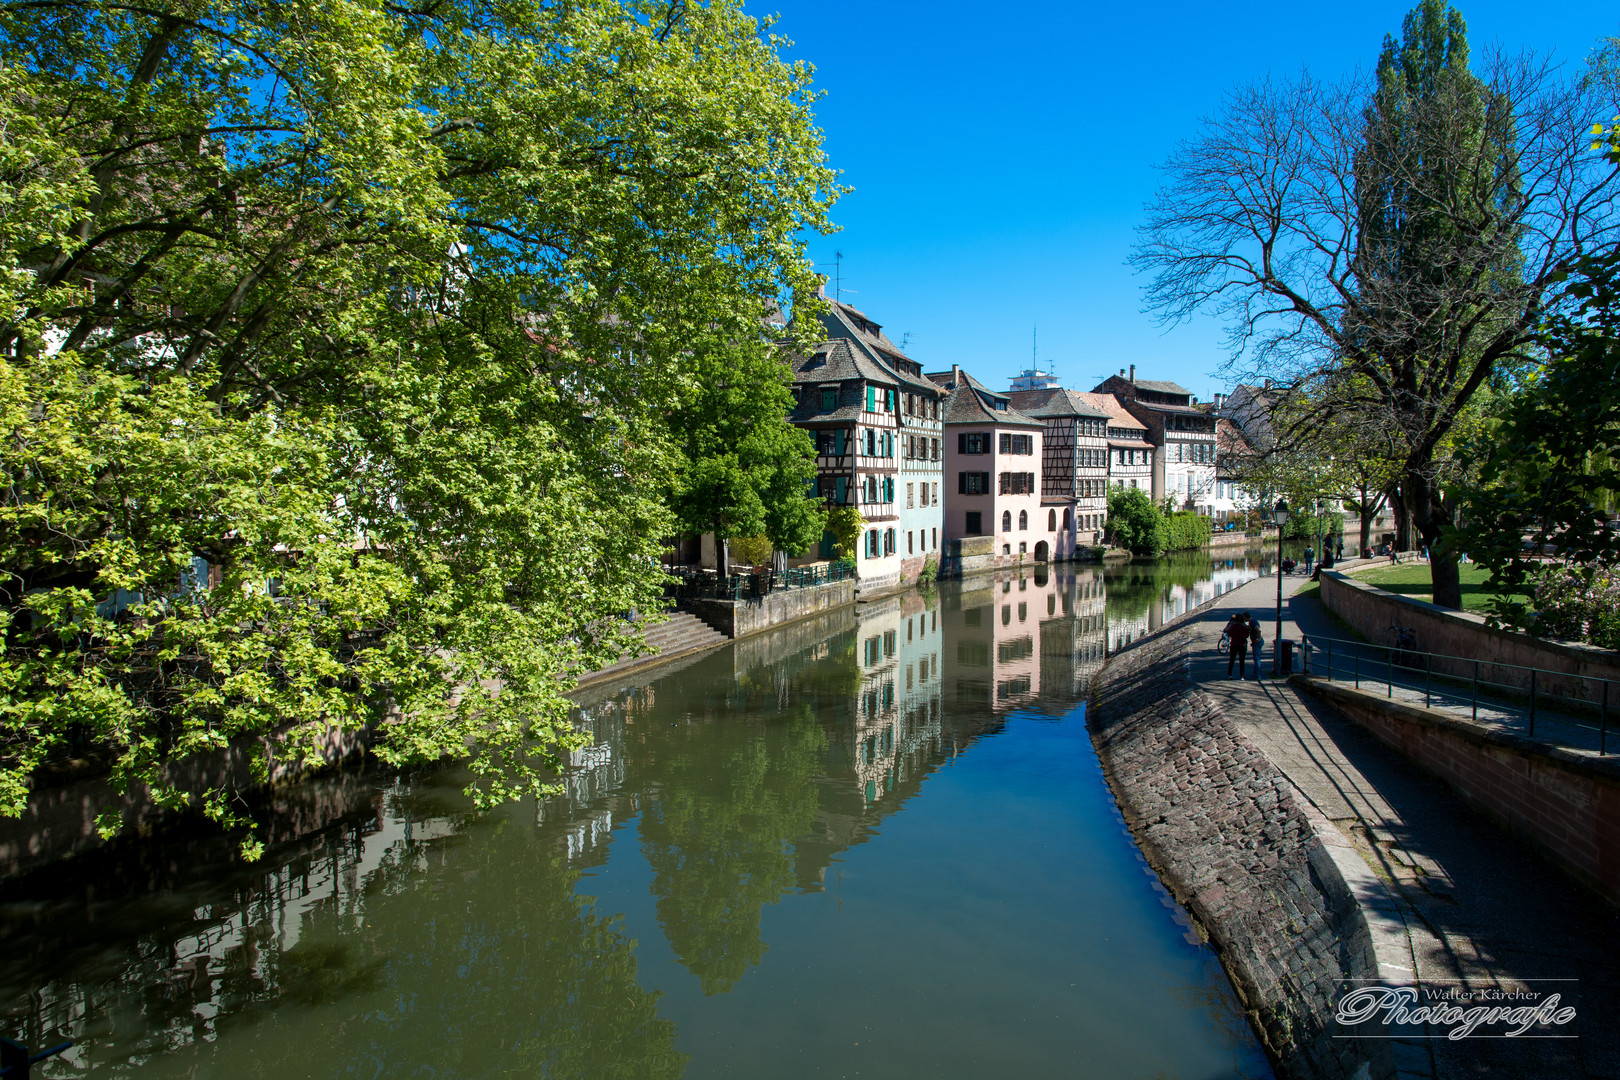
[465, 956]
[725, 800]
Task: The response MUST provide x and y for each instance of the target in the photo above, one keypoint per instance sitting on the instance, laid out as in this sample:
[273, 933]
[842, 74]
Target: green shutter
[871, 399]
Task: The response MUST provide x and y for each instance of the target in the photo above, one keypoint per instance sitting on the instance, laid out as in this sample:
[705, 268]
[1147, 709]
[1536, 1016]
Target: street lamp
[1279, 514]
[1321, 510]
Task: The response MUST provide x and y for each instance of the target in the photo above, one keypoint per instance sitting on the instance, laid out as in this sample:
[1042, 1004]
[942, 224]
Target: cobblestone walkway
[1482, 910]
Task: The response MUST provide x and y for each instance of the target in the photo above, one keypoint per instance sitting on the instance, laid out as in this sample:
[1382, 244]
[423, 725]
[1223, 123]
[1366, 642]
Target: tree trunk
[722, 556]
[1402, 513]
[1430, 516]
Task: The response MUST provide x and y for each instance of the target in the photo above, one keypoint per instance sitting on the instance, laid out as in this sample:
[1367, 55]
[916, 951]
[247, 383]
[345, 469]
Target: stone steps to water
[680, 634]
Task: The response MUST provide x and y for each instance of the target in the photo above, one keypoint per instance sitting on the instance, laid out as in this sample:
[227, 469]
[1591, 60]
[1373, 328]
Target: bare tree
[1270, 218]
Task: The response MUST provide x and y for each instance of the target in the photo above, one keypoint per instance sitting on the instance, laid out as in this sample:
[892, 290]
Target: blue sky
[1001, 156]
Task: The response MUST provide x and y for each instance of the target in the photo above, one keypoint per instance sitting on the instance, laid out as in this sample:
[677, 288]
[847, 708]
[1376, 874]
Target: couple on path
[1241, 632]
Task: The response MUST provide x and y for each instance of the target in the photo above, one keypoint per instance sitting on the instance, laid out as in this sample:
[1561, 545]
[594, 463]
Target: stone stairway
[681, 634]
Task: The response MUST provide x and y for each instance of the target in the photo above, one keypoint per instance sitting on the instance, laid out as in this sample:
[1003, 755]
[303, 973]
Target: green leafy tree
[383, 312]
[1403, 237]
[1135, 523]
[846, 525]
[1547, 466]
[745, 469]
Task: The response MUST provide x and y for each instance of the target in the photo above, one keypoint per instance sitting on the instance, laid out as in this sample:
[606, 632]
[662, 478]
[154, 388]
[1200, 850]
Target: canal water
[875, 844]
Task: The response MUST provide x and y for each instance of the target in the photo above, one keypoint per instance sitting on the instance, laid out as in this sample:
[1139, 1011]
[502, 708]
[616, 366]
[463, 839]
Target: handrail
[1506, 697]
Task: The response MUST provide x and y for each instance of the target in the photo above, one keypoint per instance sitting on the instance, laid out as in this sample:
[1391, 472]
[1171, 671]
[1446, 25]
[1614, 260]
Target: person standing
[1237, 642]
[1256, 640]
[1338, 552]
[1309, 553]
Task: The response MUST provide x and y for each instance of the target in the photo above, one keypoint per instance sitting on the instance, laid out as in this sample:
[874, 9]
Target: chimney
[1133, 373]
[1122, 373]
[956, 375]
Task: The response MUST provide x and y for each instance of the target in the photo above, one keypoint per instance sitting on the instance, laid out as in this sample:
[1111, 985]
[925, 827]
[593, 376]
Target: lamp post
[1321, 508]
[1279, 514]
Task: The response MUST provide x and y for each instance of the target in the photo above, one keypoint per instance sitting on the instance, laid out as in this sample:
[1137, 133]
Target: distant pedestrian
[1237, 642]
[1256, 641]
[1338, 553]
[1308, 553]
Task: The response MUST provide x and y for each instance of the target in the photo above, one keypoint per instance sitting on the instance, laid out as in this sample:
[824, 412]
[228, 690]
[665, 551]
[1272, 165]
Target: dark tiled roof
[965, 404]
[1056, 402]
[877, 345]
[1162, 387]
[1179, 410]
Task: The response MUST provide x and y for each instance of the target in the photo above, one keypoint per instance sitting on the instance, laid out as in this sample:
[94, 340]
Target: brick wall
[1563, 803]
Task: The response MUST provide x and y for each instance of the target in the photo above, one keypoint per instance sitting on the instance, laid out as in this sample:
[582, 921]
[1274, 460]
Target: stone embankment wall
[739, 618]
[1564, 803]
[1231, 839]
[60, 818]
[1371, 611]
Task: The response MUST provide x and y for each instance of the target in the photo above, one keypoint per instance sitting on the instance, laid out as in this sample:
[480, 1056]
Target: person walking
[1237, 642]
[1256, 640]
[1338, 550]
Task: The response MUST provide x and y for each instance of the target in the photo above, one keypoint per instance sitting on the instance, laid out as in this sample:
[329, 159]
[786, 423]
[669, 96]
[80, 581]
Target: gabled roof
[1114, 409]
[876, 344]
[837, 360]
[1055, 401]
[967, 402]
[1159, 387]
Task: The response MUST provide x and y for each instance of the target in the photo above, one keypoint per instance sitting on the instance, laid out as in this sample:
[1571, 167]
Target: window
[1006, 549]
[888, 545]
[973, 443]
[871, 443]
[829, 400]
[1006, 521]
[1066, 518]
[908, 495]
[936, 532]
[935, 500]
[888, 489]
[973, 527]
[1017, 444]
[1023, 521]
[1051, 520]
[1017, 483]
[826, 441]
[872, 544]
[909, 550]
[973, 483]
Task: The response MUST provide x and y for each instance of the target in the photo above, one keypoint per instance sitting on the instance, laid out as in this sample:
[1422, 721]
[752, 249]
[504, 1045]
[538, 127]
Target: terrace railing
[1554, 706]
[686, 582]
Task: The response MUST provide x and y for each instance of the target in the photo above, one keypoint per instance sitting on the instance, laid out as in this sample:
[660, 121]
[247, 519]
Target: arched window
[1067, 518]
[1051, 520]
[1023, 520]
[1006, 521]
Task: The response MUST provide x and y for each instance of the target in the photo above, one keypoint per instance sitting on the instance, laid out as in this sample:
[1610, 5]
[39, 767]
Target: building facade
[1130, 455]
[917, 429]
[1182, 435]
[992, 470]
[850, 406]
[1074, 464]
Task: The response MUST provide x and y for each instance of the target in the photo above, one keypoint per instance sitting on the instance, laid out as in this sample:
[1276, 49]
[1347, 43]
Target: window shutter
[842, 494]
[961, 444]
[871, 399]
[961, 483]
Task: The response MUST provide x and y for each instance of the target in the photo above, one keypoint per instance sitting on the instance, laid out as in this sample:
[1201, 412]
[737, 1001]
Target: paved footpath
[1481, 909]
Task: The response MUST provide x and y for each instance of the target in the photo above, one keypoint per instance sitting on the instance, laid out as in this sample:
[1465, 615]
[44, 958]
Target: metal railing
[1507, 693]
[686, 582]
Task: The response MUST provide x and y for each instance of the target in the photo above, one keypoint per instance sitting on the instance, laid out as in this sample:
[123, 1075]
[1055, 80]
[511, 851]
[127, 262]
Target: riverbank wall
[1274, 886]
[1371, 611]
[1563, 803]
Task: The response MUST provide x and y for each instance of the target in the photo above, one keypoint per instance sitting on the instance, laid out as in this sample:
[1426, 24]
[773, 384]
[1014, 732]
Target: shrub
[846, 525]
[929, 572]
[1187, 530]
[753, 550]
[1579, 603]
[1135, 523]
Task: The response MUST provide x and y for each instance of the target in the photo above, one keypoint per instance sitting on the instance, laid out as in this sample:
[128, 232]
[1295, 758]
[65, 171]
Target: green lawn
[1412, 579]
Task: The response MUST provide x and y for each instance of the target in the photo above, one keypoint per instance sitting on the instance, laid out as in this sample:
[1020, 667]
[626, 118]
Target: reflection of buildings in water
[897, 714]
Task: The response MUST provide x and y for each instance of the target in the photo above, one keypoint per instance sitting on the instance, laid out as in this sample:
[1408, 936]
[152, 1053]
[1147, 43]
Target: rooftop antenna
[1034, 347]
[838, 276]
[905, 339]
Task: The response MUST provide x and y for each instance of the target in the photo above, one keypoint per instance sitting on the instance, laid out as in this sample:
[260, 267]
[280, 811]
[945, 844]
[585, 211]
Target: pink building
[992, 479]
